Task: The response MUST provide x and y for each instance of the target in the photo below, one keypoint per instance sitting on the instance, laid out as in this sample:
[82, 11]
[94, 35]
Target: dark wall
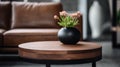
[70, 5]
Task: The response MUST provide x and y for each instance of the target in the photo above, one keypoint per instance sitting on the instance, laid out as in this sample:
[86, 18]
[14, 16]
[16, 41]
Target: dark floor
[111, 58]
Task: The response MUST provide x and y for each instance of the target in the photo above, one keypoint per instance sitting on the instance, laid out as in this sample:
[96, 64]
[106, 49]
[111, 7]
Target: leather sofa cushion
[35, 15]
[17, 36]
[1, 36]
[5, 14]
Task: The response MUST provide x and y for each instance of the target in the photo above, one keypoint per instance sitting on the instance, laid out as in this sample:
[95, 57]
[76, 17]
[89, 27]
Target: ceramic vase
[96, 19]
[69, 36]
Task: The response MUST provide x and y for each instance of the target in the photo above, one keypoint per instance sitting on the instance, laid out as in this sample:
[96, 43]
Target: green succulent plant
[118, 17]
[67, 21]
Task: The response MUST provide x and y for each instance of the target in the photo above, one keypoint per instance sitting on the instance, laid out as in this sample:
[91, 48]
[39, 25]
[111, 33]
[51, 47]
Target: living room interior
[28, 21]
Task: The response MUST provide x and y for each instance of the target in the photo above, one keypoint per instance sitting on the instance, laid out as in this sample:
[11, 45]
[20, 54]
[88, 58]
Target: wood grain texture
[55, 50]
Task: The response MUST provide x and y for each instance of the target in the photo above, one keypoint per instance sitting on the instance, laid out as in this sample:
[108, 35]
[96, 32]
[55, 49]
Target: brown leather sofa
[22, 22]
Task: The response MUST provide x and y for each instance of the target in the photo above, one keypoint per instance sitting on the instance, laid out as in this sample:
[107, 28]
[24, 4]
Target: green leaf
[67, 21]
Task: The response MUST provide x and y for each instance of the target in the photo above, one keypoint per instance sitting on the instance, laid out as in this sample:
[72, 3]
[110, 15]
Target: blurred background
[97, 24]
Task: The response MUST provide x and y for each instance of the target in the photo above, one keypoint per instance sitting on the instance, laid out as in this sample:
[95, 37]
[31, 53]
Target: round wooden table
[54, 52]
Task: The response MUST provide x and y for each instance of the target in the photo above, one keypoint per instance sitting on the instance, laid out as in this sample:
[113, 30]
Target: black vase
[69, 35]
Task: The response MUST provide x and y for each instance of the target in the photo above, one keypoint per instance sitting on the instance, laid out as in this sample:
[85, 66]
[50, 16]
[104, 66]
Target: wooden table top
[55, 50]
